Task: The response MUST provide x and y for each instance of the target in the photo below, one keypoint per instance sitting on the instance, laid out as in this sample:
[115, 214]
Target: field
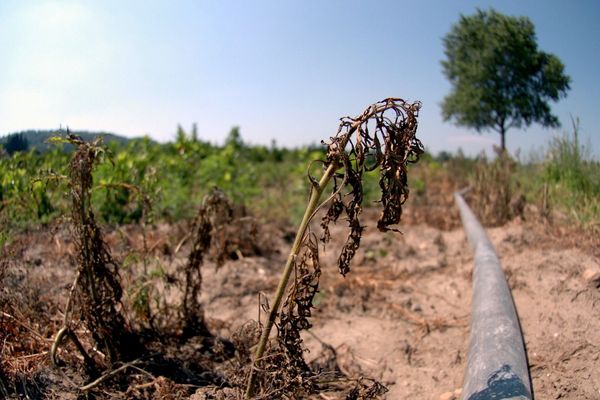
[180, 282]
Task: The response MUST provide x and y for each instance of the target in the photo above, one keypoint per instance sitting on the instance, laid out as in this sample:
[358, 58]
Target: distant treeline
[37, 139]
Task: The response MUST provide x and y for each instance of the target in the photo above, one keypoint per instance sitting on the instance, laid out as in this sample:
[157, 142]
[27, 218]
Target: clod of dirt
[455, 395]
[214, 393]
[447, 396]
[592, 277]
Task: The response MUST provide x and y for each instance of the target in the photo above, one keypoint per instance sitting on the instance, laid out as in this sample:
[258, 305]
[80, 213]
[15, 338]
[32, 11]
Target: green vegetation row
[171, 177]
[166, 182]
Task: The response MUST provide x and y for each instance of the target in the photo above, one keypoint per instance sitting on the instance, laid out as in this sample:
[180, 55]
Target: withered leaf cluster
[366, 389]
[221, 231]
[98, 290]
[216, 211]
[297, 308]
[383, 137]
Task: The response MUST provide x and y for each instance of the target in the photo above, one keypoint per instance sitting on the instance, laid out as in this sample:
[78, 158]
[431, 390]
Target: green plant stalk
[289, 266]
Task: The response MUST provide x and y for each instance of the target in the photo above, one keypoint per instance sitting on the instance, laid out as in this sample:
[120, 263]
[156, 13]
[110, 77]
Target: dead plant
[96, 293]
[366, 389]
[383, 138]
[214, 209]
[219, 234]
[496, 195]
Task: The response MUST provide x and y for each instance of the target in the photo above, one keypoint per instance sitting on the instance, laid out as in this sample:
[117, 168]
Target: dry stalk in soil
[96, 294]
[382, 137]
[216, 211]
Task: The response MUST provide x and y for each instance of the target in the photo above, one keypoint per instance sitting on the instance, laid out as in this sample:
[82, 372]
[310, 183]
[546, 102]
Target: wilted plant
[213, 214]
[382, 137]
[218, 234]
[96, 293]
[495, 191]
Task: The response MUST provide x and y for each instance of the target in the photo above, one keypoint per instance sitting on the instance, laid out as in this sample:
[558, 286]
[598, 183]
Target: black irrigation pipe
[497, 363]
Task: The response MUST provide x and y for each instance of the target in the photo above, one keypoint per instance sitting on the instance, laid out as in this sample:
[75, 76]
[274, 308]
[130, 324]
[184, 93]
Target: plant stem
[289, 266]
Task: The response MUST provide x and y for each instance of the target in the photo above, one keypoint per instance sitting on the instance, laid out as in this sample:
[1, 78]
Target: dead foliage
[244, 339]
[191, 309]
[220, 232]
[495, 195]
[96, 293]
[298, 306]
[25, 325]
[433, 205]
[383, 138]
[294, 318]
[122, 361]
[366, 389]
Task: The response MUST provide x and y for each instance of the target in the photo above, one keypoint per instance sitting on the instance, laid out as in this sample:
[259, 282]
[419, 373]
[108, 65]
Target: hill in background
[37, 139]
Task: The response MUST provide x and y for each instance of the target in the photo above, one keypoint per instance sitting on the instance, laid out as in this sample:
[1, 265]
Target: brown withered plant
[215, 212]
[496, 196]
[381, 138]
[221, 231]
[96, 294]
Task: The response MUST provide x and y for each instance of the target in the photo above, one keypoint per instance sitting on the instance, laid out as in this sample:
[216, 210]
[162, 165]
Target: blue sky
[284, 70]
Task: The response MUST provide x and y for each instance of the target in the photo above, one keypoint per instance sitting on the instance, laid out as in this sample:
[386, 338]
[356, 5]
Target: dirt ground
[402, 314]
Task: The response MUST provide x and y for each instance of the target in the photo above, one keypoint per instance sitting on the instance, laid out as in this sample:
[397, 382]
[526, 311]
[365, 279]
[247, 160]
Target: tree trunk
[503, 139]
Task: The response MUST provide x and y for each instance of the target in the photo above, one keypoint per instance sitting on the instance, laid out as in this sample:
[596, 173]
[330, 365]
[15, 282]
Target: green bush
[573, 178]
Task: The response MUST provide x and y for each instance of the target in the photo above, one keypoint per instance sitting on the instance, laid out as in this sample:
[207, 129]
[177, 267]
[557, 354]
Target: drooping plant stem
[390, 144]
[313, 202]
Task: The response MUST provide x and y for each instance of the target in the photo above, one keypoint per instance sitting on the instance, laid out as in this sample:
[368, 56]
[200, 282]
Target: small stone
[592, 277]
[447, 396]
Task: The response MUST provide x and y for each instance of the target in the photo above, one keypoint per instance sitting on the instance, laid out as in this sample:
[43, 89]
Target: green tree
[234, 139]
[500, 80]
[16, 142]
[194, 134]
[180, 137]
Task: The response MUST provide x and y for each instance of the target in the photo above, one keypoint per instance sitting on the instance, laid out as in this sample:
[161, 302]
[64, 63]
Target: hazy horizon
[278, 70]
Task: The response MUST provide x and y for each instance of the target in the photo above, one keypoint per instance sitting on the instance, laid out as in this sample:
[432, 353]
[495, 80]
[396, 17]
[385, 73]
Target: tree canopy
[500, 80]
[16, 142]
